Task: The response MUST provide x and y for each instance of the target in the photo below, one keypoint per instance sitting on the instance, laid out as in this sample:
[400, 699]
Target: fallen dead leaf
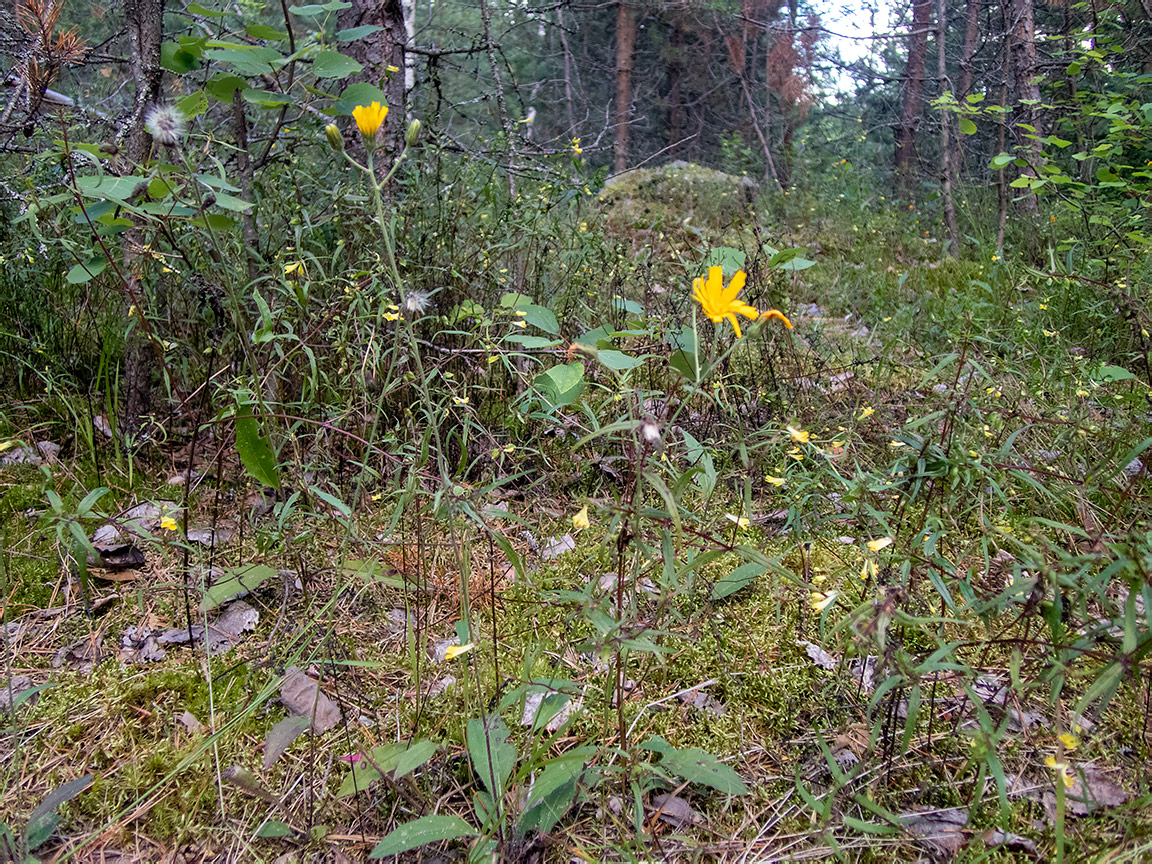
[303, 697]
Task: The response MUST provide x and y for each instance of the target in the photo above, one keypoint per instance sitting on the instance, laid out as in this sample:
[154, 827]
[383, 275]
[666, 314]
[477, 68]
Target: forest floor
[937, 654]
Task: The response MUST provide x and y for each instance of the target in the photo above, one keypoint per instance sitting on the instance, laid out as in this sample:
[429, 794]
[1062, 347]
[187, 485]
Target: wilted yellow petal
[878, 544]
[819, 601]
[581, 521]
[454, 651]
[800, 436]
[742, 521]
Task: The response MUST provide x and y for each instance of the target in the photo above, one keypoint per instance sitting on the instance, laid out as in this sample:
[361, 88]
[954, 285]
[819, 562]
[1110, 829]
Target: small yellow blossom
[866, 412]
[1070, 741]
[369, 119]
[581, 521]
[869, 570]
[391, 316]
[460, 400]
[1062, 769]
[454, 651]
[168, 523]
[295, 267]
[820, 601]
[775, 481]
[393, 68]
[878, 544]
[741, 521]
[800, 436]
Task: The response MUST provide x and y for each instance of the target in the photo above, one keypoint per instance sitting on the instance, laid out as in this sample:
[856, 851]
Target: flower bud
[335, 139]
[413, 133]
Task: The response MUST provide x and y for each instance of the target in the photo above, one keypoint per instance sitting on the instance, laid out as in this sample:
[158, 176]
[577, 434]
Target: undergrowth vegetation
[538, 555]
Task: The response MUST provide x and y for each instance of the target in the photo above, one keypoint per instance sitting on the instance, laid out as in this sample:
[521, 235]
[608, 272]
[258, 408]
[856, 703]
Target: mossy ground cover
[966, 418]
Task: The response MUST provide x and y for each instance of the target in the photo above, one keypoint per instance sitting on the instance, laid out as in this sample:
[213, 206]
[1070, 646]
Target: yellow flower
[775, 481]
[819, 601]
[391, 316]
[460, 400]
[778, 315]
[877, 545]
[454, 651]
[800, 436]
[868, 570]
[369, 119]
[1062, 769]
[393, 69]
[581, 521]
[168, 523]
[1070, 741]
[866, 412]
[741, 521]
[719, 302]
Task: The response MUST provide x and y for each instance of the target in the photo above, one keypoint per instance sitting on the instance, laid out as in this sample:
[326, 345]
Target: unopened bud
[413, 133]
[335, 139]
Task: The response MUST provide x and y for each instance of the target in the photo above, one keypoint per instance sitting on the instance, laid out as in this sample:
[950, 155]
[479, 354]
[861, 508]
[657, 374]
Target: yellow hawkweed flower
[454, 651]
[369, 119]
[800, 436]
[719, 302]
[581, 521]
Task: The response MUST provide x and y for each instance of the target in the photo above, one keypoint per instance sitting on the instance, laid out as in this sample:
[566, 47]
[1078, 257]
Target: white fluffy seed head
[165, 123]
[650, 431]
[416, 302]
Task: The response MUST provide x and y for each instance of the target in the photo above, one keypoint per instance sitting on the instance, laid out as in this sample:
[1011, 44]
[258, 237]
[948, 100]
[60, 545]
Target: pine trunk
[625, 48]
[905, 160]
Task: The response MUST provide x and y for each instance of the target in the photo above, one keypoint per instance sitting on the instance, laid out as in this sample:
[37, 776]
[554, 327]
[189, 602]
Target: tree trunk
[569, 109]
[1026, 91]
[625, 48]
[946, 169]
[905, 161]
[376, 52]
[971, 39]
[145, 24]
[674, 70]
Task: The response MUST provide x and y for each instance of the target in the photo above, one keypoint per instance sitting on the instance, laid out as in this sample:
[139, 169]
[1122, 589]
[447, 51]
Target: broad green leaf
[743, 575]
[264, 99]
[967, 127]
[263, 31]
[83, 272]
[221, 86]
[104, 186]
[177, 58]
[527, 340]
[417, 755]
[333, 64]
[540, 317]
[254, 450]
[354, 33]
[726, 257]
[1001, 160]
[618, 360]
[426, 829]
[246, 578]
[697, 766]
[358, 93]
[364, 773]
[193, 105]
[561, 385]
[493, 758]
[273, 829]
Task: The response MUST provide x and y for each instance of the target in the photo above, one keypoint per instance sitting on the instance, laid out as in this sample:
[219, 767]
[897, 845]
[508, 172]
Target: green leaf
[221, 86]
[1112, 373]
[743, 575]
[1000, 161]
[358, 93]
[264, 99]
[177, 58]
[967, 127]
[727, 257]
[104, 186]
[246, 578]
[263, 31]
[540, 317]
[493, 758]
[197, 9]
[43, 820]
[273, 829]
[354, 33]
[333, 64]
[364, 773]
[332, 501]
[697, 766]
[417, 755]
[255, 453]
[426, 829]
[554, 790]
[561, 385]
[80, 273]
[527, 340]
[618, 360]
[193, 105]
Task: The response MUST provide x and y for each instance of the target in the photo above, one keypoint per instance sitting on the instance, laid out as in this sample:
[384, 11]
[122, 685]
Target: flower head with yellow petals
[369, 119]
[719, 302]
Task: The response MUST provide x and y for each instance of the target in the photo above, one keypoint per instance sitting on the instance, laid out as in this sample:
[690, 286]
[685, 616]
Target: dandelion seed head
[416, 302]
[165, 123]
